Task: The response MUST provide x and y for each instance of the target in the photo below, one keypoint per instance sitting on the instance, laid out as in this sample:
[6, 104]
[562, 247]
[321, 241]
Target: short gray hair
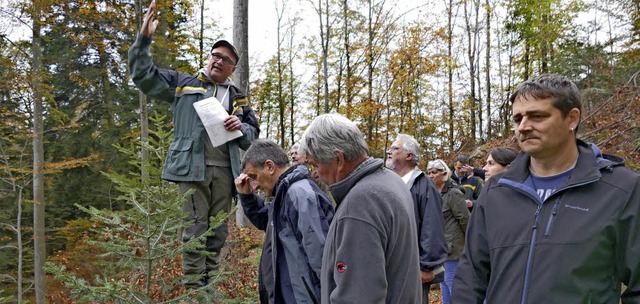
[440, 165]
[263, 149]
[298, 149]
[410, 145]
[331, 133]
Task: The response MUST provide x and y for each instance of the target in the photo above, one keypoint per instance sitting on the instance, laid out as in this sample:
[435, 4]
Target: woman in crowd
[456, 216]
[498, 161]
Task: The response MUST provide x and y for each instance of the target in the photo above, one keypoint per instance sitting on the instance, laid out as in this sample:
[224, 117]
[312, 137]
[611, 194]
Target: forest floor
[236, 284]
[242, 256]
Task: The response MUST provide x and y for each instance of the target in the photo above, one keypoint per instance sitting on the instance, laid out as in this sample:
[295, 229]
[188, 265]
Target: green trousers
[211, 196]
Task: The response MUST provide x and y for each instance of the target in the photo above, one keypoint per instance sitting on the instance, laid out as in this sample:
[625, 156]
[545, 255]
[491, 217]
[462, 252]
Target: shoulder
[475, 180]
[380, 181]
[188, 82]
[303, 191]
[454, 192]
[381, 191]
[620, 176]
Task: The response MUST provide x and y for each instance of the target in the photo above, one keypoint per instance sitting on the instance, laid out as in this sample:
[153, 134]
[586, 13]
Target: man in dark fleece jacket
[561, 225]
[403, 157]
[371, 251]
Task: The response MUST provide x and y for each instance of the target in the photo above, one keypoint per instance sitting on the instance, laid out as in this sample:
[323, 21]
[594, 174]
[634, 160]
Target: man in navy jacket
[561, 225]
[403, 157]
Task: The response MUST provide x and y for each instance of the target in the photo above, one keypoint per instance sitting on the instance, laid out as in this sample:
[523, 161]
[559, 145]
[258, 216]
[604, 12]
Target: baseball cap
[227, 44]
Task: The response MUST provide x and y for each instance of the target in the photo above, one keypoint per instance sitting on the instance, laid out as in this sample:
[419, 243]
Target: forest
[84, 215]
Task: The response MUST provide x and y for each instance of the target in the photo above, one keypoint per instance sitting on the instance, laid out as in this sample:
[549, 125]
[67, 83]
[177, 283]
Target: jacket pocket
[179, 156]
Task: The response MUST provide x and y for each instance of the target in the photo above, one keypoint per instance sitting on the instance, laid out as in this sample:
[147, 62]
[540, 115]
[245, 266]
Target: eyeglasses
[435, 172]
[225, 60]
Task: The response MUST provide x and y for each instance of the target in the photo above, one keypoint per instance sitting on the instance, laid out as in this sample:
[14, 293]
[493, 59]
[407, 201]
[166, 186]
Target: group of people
[558, 226]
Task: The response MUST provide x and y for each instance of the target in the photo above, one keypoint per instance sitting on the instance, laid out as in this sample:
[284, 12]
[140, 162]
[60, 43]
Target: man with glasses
[296, 157]
[403, 157]
[192, 161]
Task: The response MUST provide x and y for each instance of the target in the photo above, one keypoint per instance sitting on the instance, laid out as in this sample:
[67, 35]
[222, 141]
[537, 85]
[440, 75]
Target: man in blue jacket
[296, 222]
[192, 161]
[403, 157]
[561, 225]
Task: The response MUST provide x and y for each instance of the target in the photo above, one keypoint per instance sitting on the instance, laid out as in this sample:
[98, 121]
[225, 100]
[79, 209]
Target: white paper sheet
[213, 115]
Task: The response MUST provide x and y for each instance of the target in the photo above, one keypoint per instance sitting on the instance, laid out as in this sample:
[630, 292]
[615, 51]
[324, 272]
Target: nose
[523, 126]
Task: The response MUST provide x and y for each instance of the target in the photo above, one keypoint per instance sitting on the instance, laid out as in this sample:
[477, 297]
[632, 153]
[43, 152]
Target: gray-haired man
[371, 251]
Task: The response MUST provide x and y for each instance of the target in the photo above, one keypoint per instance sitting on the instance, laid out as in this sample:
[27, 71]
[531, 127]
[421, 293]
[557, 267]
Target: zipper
[517, 186]
[532, 244]
[554, 212]
[309, 291]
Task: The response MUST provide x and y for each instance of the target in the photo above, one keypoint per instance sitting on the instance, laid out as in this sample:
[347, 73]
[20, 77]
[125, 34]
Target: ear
[340, 159]
[409, 156]
[270, 165]
[574, 118]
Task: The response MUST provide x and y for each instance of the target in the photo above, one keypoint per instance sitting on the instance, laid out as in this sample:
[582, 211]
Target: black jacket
[577, 246]
[429, 220]
[472, 186]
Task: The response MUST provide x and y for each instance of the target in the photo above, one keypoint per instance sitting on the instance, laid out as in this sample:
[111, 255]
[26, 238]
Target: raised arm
[151, 80]
[148, 24]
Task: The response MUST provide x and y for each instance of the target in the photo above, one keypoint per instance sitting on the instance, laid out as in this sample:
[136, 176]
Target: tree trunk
[201, 40]
[279, 85]
[450, 70]
[325, 56]
[349, 81]
[291, 84]
[369, 112]
[20, 247]
[144, 112]
[478, 100]
[544, 69]
[39, 238]
[527, 59]
[487, 71]
[471, 54]
[241, 42]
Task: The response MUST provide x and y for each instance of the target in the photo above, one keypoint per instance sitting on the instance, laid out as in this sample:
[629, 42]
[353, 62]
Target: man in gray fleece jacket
[371, 250]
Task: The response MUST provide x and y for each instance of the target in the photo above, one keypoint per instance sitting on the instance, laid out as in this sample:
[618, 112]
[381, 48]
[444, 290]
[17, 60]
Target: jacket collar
[202, 76]
[342, 188]
[414, 175]
[290, 176]
[590, 162]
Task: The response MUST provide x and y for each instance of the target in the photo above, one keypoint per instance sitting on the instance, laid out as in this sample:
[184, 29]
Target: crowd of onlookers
[555, 223]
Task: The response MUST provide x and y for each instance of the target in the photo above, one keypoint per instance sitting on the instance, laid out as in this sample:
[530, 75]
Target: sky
[262, 24]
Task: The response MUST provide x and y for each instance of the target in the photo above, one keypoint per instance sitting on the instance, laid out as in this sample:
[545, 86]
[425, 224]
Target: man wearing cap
[192, 161]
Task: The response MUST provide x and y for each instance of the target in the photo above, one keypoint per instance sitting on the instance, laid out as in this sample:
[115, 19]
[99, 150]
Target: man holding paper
[193, 161]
